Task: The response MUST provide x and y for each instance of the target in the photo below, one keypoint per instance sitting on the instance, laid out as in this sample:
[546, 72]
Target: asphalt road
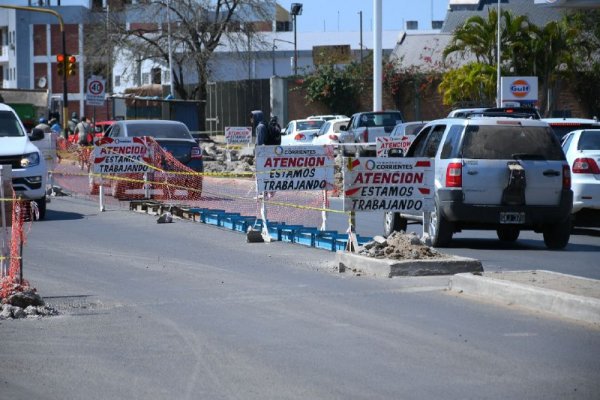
[190, 311]
[580, 257]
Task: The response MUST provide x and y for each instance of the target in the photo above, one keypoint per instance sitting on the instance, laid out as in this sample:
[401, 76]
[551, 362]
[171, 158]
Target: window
[117, 80]
[156, 75]
[589, 140]
[145, 78]
[450, 148]
[433, 142]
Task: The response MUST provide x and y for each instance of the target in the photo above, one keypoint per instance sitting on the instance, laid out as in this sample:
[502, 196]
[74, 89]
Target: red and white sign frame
[121, 156]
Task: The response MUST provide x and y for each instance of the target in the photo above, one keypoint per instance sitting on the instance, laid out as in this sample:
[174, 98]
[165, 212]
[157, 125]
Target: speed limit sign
[96, 91]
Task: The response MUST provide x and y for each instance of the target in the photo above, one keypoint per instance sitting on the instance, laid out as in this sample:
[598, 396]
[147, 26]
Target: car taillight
[566, 181]
[454, 175]
[299, 136]
[196, 152]
[585, 166]
[365, 136]
[333, 137]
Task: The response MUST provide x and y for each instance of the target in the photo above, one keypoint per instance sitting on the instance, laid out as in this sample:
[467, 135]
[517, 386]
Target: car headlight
[30, 160]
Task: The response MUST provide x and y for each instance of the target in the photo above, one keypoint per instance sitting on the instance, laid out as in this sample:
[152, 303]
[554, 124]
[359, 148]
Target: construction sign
[294, 168]
[121, 156]
[388, 184]
[392, 147]
[238, 135]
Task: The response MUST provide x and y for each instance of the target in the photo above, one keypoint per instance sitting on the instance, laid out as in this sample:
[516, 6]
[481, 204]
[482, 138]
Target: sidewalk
[559, 294]
[552, 292]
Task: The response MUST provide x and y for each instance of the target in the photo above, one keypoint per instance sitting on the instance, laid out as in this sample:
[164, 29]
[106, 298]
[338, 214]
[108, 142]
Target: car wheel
[41, 205]
[508, 233]
[393, 222]
[440, 229]
[556, 236]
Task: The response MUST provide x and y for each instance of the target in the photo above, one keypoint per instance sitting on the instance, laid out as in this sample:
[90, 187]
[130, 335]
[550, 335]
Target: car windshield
[9, 125]
[166, 131]
[500, 142]
[380, 119]
[312, 124]
[589, 140]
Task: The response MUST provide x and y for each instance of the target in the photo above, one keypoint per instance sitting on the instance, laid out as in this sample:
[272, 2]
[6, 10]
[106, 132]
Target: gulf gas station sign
[522, 89]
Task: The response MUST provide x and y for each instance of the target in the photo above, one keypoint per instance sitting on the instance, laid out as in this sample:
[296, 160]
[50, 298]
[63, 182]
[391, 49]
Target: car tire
[393, 222]
[508, 233]
[440, 229]
[556, 236]
[41, 205]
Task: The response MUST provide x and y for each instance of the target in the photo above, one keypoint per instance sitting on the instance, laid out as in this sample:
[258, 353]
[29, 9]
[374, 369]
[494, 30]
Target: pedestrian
[43, 125]
[84, 130]
[71, 125]
[257, 120]
[273, 132]
[55, 126]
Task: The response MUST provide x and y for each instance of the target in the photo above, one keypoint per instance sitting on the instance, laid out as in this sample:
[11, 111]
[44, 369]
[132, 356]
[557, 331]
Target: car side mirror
[344, 128]
[36, 134]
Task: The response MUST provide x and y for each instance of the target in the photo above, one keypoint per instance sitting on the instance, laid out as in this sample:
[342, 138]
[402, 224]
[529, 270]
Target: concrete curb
[388, 268]
[547, 300]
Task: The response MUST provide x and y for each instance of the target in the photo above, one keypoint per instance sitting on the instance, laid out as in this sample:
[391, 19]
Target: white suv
[500, 173]
[28, 166]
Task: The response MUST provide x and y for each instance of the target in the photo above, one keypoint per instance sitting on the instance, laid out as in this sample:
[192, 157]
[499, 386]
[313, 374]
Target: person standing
[71, 125]
[84, 130]
[257, 120]
[43, 125]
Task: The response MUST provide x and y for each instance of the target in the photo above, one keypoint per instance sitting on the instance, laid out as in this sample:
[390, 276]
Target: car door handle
[551, 172]
[472, 172]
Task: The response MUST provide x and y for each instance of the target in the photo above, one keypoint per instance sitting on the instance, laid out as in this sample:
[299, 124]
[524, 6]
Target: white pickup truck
[363, 128]
[29, 170]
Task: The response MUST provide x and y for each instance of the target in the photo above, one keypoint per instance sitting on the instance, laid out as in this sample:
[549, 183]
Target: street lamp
[295, 10]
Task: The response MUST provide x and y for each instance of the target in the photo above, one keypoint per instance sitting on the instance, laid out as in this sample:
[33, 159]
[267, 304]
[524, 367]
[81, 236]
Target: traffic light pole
[64, 51]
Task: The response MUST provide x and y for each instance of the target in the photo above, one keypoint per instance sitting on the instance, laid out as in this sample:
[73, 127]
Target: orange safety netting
[11, 275]
[169, 181]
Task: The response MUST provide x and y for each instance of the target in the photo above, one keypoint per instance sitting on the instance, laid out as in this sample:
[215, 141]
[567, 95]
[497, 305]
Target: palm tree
[477, 36]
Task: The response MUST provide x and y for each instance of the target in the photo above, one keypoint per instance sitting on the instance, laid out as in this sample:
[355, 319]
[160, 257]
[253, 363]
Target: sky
[342, 15]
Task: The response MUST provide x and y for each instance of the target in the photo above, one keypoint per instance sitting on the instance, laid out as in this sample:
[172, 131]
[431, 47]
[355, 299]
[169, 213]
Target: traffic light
[71, 65]
[60, 64]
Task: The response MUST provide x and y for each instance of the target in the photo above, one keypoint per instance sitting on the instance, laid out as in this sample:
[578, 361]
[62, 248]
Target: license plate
[512, 217]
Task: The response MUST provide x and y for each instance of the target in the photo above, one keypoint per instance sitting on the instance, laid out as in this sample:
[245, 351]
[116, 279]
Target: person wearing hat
[43, 125]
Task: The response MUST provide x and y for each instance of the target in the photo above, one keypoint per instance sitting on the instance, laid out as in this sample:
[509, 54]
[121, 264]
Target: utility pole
[361, 37]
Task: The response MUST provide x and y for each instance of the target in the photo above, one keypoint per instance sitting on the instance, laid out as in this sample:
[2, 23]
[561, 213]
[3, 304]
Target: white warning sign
[238, 135]
[121, 156]
[388, 184]
[392, 147]
[294, 168]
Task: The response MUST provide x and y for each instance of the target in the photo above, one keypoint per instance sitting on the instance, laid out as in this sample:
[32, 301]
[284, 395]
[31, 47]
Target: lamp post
[273, 51]
[296, 9]
[169, 47]
[498, 100]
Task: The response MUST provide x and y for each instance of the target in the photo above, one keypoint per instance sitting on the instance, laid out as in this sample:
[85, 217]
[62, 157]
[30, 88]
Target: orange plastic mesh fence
[171, 182]
[11, 278]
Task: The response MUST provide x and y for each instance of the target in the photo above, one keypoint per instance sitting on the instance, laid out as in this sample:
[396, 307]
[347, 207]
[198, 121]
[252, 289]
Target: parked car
[364, 127]
[101, 128]
[172, 136]
[406, 131]
[562, 126]
[582, 149]
[503, 174]
[330, 132]
[300, 131]
[327, 117]
[514, 112]
[29, 172]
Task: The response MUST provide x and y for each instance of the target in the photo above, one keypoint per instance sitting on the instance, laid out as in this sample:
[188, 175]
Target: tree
[198, 28]
[337, 88]
[473, 84]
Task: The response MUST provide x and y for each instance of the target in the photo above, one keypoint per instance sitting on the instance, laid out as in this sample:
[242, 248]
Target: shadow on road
[54, 215]
[586, 231]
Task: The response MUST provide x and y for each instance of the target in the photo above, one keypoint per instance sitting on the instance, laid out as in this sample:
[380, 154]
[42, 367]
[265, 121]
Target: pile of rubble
[399, 246]
[220, 159]
[24, 304]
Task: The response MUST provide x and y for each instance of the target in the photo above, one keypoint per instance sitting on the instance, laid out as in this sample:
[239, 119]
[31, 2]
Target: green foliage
[474, 83]
[338, 89]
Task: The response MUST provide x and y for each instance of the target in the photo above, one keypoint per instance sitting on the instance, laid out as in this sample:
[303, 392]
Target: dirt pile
[24, 303]
[399, 246]
[219, 159]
